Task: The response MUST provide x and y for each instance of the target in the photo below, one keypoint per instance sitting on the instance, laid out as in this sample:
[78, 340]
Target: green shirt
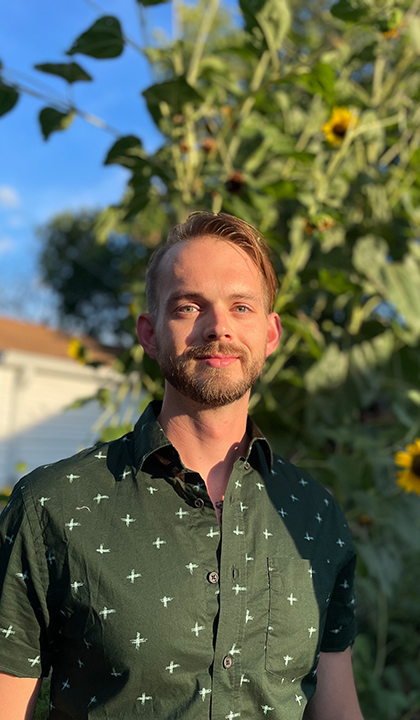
[115, 574]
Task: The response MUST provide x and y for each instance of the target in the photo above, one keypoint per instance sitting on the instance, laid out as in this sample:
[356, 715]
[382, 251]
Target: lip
[218, 360]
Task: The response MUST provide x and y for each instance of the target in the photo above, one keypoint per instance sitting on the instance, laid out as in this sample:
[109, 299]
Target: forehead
[208, 265]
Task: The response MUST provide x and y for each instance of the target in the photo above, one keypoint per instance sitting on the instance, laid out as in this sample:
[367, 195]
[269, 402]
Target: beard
[212, 387]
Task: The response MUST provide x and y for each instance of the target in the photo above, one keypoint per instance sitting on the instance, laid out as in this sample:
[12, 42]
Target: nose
[217, 325]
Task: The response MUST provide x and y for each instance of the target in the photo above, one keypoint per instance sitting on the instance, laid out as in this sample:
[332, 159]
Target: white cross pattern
[80, 663]
[10, 539]
[337, 630]
[238, 589]
[311, 571]
[115, 673]
[340, 542]
[196, 629]
[287, 659]
[238, 484]
[181, 513]
[327, 502]
[34, 661]
[248, 616]
[72, 524]
[72, 477]
[248, 558]
[99, 497]
[158, 542]
[124, 474]
[212, 532]
[65, 684]
[75, 585]
[43, 500]
[138, 641]
[259, 486]
[92, 700]
[165, 600]
[243, 507]
[232, 715]
[236, 531]
[283, 512]
[9, 631]
[243, 680]
[345, 585]
[128, 520]
[266, 708]
[318, 517]
[191, 567]
[203, 692]
[311, 630]
[133, 575]
[294, 498]
[102, 550]
[267, 534]
[23, 576]
[308, 537]
[105, 612]
[143, 698]
[303, 482]
[171, 667]
[291, 599]
[234, 650]
[152, 489]
[299, 699]
[100, 455]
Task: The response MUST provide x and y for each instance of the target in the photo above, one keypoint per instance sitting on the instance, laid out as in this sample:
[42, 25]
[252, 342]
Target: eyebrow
[186, 295]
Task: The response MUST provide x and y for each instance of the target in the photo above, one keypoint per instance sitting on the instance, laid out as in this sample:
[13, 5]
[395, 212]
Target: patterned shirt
[114, 573]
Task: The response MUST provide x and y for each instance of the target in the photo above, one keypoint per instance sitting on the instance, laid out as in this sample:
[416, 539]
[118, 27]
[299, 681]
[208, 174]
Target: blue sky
[39, 179]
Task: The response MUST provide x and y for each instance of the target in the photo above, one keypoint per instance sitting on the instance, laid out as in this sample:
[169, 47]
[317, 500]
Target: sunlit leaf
[52, 120]
[175, 93]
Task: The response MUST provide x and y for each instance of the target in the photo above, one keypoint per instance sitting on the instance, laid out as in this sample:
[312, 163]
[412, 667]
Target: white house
[38, 382]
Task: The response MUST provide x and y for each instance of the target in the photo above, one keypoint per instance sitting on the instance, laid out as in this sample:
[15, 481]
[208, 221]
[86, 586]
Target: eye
[242, 309]
[186, 309]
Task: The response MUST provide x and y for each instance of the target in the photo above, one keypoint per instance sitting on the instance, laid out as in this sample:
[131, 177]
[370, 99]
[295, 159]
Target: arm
[335, 697]
[18, 697]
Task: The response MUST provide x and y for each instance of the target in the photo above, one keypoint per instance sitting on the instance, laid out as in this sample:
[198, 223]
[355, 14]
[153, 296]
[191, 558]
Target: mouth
[218, 360]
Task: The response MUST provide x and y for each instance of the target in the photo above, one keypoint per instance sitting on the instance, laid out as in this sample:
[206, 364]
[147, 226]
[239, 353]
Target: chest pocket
[293, 618]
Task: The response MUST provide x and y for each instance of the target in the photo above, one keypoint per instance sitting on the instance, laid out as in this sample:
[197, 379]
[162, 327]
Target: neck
[209, 440]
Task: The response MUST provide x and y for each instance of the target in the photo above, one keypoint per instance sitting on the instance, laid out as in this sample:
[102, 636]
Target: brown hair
[218, 225]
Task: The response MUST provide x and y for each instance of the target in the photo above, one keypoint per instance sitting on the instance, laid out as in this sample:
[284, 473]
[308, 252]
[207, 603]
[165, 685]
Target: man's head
[222, 226]
[210, 326]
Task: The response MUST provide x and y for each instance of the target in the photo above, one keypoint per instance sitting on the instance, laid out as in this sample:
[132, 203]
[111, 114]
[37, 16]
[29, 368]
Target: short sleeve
[340, 626]
[24, 647]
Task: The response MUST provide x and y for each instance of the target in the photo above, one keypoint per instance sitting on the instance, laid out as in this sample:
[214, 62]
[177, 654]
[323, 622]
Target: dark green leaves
[8, 98]
[345, 11]
[72, 72]
[104, 39]
[175, 93]
[52, 120]
[128, 152]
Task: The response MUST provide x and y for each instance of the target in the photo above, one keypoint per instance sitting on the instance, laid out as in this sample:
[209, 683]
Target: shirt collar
[149, 437]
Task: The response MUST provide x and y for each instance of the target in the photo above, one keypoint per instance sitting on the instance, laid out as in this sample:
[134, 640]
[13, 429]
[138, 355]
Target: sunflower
[76, 350]
[409, 477]
[336, 127]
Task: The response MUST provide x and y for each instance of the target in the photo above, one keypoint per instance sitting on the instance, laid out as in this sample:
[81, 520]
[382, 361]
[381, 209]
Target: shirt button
[227, 662]
[247, 466]
[213, 577]
[199, 502]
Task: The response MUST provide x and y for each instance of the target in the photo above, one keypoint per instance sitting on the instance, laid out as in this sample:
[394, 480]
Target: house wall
[35, 426]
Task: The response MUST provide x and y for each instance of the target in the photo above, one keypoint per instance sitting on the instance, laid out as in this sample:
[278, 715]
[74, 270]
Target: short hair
[217, 225]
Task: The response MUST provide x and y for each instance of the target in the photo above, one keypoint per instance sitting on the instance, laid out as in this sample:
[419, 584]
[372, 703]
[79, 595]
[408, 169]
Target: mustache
[213, 348]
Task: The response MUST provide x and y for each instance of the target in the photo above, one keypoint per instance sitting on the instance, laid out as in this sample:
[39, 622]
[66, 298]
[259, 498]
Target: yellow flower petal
[403, 459]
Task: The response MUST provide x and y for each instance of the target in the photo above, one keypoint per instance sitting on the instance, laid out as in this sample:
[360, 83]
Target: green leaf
[72, 72]
[128, 152]
[52, 120]
[320, 81]
[345, 11]
[146, 3]
[272, 17]
[335, 281]
[8, 98]
[175, 93]
[329, 372]
[103, 40]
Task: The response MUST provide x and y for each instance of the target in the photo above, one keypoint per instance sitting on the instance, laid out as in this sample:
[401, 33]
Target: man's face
[212, 331]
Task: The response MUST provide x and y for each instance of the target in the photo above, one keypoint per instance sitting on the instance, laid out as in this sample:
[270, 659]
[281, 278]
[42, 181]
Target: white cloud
[6, 245]
[9, 197]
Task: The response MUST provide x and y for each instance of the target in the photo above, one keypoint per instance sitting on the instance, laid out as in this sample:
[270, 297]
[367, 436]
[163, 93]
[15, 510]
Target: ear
[273, 334]
[146, 333]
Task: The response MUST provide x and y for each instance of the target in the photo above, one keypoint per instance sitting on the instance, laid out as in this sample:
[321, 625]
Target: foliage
[242, 112]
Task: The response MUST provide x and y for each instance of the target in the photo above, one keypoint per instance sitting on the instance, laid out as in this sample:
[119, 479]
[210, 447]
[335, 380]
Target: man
[183, 571]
